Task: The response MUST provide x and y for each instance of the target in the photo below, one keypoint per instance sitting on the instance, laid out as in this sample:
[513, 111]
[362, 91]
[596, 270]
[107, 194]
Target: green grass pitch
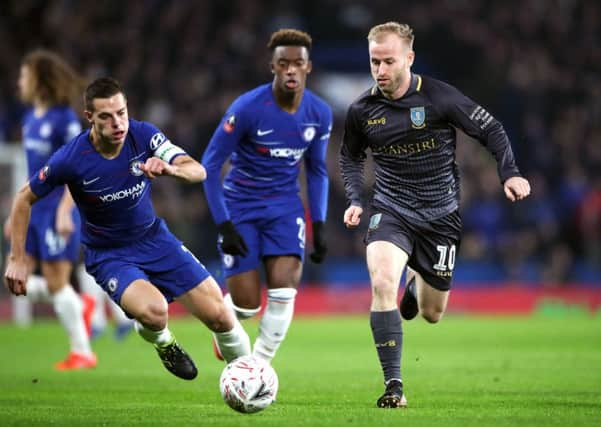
[465, 371]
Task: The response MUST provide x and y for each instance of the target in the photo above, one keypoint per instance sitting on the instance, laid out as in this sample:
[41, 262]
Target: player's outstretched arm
[516, 188]
[16, 272]
[183, 167]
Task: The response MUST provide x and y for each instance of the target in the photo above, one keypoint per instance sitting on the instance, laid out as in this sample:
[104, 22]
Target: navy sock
[388, 338]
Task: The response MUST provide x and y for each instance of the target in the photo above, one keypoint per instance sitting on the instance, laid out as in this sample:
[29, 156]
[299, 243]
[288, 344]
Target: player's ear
[88, 115]
[410, 58]
[309, 66]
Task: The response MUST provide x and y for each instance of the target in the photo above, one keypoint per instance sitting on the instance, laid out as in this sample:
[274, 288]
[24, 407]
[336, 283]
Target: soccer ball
[248, 384]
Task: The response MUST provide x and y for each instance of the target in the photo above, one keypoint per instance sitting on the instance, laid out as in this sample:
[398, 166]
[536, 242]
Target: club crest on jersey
[45, 130]
[156, 140]
[229, 124]
[228, 260]
[44, 172]
[418, 117]
[309, 134]
[112, 284]
[134, 167]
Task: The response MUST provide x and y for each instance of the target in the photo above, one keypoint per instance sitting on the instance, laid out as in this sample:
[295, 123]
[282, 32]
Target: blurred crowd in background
[534, 64]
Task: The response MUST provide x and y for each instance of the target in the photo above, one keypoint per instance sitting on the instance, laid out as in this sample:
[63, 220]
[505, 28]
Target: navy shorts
[159, 257]
[432, 246]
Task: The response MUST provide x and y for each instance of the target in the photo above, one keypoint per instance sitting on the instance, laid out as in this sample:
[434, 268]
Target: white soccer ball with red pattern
[248, 384]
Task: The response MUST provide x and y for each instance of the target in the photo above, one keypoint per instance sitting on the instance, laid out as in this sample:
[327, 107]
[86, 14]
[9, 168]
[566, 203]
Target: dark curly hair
[289, 37]
[54, 81]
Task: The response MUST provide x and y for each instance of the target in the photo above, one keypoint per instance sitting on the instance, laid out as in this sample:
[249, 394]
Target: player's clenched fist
[15, 276]
[352, 216]
[516, 188]
[156, 167]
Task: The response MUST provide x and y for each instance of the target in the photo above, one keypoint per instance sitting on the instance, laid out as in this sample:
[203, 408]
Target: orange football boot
[75, 361]
[89, 303]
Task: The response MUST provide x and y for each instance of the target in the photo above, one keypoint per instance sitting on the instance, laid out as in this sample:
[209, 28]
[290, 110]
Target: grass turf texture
[466, 371]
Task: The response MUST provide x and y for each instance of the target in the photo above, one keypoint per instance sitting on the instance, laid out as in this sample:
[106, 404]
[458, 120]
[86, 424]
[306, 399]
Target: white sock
[275, 322]
[22, 311]
[241, 313]
[234, 343]
[88, 285]
[160, 338]
[69, 309]
[37, 289]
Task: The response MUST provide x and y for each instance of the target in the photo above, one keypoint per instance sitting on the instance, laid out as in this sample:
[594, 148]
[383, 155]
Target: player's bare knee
[154, 315]
[383, 288]
[246, 303]
[431, 315]
[288, 279]
[222, 319]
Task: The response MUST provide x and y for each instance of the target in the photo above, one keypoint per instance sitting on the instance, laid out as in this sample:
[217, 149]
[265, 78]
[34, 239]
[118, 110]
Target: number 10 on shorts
[446, 258]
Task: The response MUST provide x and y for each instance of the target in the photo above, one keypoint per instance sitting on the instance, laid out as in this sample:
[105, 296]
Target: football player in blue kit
[50, 85]
[128, 249]
[265, 133]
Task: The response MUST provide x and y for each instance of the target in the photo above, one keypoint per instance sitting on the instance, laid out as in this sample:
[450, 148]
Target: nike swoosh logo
[264, 132]
[84, 182]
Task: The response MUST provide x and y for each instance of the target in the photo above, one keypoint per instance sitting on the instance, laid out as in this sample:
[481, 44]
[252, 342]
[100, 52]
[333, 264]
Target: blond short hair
[404, 31]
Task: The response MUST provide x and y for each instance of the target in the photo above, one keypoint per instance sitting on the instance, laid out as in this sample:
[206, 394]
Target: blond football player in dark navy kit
[408, 123]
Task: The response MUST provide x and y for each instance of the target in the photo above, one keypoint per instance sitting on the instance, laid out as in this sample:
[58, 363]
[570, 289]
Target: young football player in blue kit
[128, 250]
[49, 84]
[266, 133]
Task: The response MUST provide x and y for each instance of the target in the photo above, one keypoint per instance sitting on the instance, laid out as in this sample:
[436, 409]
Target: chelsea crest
[134, 168]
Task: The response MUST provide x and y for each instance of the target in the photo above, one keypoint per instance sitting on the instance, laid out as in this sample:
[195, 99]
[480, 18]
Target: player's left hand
[156, 167]
[516, 188]
[319, 243]
[15, 276]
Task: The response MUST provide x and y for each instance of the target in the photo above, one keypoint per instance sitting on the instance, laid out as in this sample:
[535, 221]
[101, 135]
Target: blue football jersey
[42, 136]
[265, 146]
[112, 195]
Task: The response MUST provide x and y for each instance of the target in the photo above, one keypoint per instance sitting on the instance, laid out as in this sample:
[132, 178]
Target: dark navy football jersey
[265, 146]
[412, 140]
[112, 195]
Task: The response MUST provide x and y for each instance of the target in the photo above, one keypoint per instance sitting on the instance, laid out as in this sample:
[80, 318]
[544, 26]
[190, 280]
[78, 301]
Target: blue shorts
[159, 257]
[274, 231]
[45, 244]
